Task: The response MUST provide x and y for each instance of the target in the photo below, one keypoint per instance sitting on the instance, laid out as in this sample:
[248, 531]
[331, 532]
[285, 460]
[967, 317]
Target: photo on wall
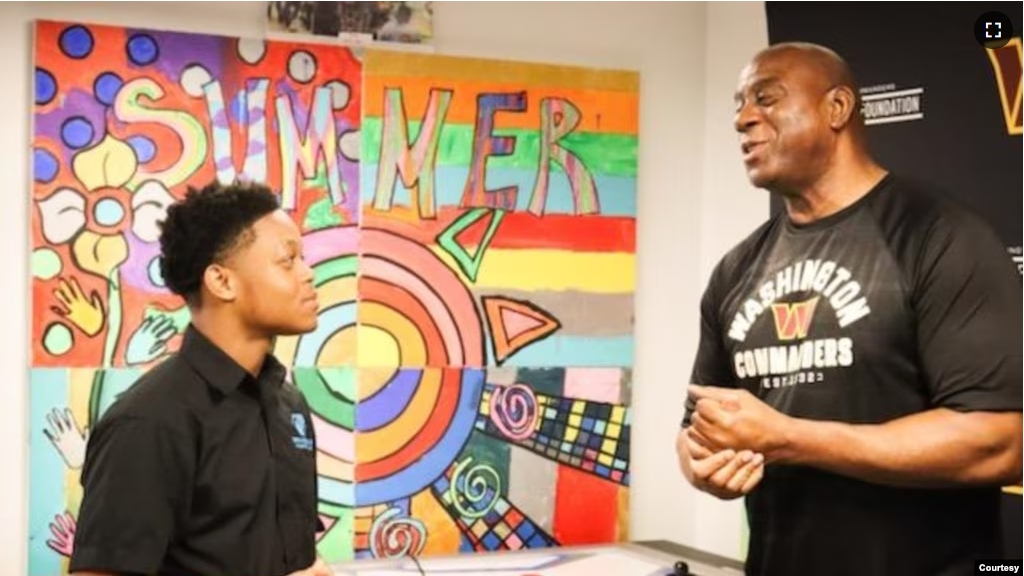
[395, 22]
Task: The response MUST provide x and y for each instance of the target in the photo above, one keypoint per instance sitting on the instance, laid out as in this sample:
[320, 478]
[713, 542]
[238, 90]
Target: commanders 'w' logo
[793, 320]
[1006, 62]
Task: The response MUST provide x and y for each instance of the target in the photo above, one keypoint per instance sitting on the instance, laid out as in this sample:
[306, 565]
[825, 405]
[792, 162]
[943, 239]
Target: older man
[859, 371]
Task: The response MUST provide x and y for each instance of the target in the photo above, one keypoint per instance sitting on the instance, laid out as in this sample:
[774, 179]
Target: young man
[859, 370]
[207, 465]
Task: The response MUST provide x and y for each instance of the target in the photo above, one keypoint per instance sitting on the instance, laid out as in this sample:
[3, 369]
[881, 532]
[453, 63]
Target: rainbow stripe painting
[471, 226]
[521, 179]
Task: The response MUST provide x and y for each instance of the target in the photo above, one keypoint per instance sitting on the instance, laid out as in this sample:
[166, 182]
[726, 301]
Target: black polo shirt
[199, 469]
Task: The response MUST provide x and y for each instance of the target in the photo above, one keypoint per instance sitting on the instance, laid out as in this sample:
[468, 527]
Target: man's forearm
[938, 448]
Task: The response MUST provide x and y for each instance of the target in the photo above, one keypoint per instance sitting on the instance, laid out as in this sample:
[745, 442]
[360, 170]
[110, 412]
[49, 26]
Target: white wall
[730, 209]
[694, 201]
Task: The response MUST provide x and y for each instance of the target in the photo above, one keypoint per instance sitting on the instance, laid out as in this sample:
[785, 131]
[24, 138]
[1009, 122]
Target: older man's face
[781, 117]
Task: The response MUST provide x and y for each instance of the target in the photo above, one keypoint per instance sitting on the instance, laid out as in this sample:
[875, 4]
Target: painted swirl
[479, 485]
[514, 410]
[393, 535]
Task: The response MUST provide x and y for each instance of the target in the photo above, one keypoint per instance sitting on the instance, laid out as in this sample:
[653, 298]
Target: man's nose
[745, 119]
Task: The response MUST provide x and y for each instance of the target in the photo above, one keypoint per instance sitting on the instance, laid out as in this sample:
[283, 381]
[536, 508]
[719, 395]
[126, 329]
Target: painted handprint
[63, 530]
[66, 437]
[149, 341]
[86, 313]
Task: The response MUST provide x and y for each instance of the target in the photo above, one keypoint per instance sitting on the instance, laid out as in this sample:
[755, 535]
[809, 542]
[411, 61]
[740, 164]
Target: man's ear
[220, 282]
[842, 105]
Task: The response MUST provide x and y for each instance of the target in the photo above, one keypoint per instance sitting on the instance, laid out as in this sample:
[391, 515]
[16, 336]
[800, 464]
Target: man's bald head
[825, 61]
[824, 68]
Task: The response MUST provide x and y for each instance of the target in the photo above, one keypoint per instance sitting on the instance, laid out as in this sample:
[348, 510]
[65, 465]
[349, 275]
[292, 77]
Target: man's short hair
[205, 227]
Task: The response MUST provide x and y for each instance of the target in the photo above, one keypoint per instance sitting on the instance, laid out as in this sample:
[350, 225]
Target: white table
[631, 559]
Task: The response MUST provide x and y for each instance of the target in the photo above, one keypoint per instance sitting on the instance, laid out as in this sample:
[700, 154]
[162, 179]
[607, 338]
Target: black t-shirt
[898, 304]
[200, 469]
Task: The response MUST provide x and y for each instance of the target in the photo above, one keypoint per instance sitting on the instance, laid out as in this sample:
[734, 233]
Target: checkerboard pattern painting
[591, 436]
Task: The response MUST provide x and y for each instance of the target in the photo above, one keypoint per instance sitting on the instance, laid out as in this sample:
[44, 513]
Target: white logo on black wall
[1015, 254]
[885, 104]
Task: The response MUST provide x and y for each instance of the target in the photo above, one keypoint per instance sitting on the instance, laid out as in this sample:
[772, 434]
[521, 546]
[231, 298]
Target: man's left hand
[730, 418]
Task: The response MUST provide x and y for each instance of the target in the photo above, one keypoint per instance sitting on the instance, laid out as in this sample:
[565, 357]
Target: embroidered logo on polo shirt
[301, 440]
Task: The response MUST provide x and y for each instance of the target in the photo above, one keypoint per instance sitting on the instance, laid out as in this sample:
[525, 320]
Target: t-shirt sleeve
[967, 298]
[711, 366]
[136, 479]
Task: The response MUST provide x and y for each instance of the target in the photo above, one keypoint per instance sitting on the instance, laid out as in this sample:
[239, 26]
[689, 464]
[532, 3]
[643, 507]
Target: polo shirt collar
[218, 369]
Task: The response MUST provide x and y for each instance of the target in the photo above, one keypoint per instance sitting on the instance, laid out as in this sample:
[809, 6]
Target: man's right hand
[725, 474]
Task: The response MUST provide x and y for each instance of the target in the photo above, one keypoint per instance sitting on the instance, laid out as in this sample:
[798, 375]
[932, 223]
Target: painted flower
[94, 222]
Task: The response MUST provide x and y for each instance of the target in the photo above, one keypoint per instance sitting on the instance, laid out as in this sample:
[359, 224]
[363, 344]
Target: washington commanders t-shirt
[898, 304]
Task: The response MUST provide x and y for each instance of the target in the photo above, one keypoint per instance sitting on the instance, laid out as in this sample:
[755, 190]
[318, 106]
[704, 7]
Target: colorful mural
[471, 225]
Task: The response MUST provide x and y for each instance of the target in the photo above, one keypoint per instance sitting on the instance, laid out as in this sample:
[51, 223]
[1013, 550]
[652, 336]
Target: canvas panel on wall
[124, 121]
[521, 179]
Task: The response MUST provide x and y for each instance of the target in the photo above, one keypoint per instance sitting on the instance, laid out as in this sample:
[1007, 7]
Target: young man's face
[274, 285]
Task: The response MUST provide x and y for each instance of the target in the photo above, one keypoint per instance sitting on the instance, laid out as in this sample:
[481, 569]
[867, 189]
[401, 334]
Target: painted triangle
[515, 324]
[450, 241]
[328, 522]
